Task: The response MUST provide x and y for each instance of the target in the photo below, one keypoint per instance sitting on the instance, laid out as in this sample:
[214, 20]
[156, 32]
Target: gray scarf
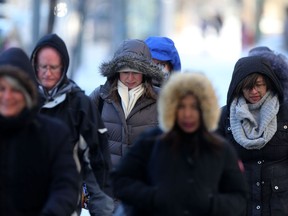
[253, 125]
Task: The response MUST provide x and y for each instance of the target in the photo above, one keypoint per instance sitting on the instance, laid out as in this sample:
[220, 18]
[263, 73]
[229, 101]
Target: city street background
[92, 30]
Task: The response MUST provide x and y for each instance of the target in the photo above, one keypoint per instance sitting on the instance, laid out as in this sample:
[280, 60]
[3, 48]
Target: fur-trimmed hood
[177, 86]
[133, 54]
[15, 63]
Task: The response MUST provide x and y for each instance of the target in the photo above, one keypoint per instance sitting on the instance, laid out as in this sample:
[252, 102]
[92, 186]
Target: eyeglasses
[52, 68]
[257, 87]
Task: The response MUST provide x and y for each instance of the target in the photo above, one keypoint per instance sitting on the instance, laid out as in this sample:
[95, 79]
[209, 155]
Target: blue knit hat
[163, 49]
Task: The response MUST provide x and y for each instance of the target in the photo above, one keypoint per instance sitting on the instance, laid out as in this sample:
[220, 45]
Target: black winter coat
[82, 118]
[154, 180]
[69, 103]
[38, 174]
[266, 169]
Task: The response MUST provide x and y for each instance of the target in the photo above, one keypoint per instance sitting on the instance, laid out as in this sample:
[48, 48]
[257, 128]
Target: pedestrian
[64, 99]
[164, 54]
[279, 64]
[38, 174]
[127, 100]
[254, 121]
[187, 169]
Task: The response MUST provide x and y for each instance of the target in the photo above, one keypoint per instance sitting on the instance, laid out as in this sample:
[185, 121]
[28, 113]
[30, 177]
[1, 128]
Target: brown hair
[147, 84]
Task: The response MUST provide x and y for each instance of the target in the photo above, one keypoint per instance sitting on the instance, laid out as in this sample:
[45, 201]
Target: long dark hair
[196, 142]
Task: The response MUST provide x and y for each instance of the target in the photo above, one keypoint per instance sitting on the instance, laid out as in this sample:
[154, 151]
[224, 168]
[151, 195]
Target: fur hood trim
[133, 54]
[177, 86]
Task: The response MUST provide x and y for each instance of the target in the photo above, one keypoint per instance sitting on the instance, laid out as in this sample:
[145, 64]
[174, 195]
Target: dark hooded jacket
[70, 104]
[38, 174]
[279, 64]
[122, 132]
[265, 168]
[162, 175]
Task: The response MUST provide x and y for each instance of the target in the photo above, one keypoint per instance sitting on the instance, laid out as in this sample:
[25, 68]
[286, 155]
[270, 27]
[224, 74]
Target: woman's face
[131, 79]
[188, 114]
[257, 92]
[12, 101]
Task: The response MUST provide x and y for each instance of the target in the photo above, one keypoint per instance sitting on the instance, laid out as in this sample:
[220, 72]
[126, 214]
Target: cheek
[38, 75]
[122, 77]
[245, 95]
[140, 78]
[58, 76]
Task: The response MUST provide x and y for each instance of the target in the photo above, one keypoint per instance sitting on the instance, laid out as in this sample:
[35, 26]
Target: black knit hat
[15, 63]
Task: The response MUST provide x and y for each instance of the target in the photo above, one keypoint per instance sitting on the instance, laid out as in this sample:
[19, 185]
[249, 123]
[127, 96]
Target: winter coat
[169, 178]
[176, 184]
[123, 131]
[72, 106]
[38, 174]
[266, 168]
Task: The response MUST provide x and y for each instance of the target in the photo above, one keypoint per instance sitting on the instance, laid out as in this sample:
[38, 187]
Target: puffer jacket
[266, 169]
[122, 132]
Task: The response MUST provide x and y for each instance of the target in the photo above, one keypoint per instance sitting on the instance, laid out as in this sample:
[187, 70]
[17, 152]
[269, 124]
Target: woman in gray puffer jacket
[127, 100]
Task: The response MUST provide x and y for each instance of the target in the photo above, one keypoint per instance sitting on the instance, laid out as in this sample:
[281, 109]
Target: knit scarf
[129, 98]
[253, 125]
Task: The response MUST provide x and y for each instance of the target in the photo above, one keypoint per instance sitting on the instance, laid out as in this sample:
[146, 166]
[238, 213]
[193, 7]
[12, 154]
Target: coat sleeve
[129, 180]
[95, 135]
[233, 193]
[221, 124]
[65, 179]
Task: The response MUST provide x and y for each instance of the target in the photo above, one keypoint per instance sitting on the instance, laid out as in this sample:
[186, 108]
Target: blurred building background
[207, 33]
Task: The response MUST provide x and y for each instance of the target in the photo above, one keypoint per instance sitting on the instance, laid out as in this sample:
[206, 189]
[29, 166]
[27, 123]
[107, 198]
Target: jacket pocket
[279, 198]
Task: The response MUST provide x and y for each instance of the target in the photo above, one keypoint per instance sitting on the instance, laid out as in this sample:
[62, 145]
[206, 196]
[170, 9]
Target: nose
[48, 71]
[130, 76]
[187, 112]
[254, 90]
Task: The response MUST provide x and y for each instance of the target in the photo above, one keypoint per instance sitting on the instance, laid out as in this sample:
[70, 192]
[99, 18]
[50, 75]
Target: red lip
[188, 125]
[255, 98]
